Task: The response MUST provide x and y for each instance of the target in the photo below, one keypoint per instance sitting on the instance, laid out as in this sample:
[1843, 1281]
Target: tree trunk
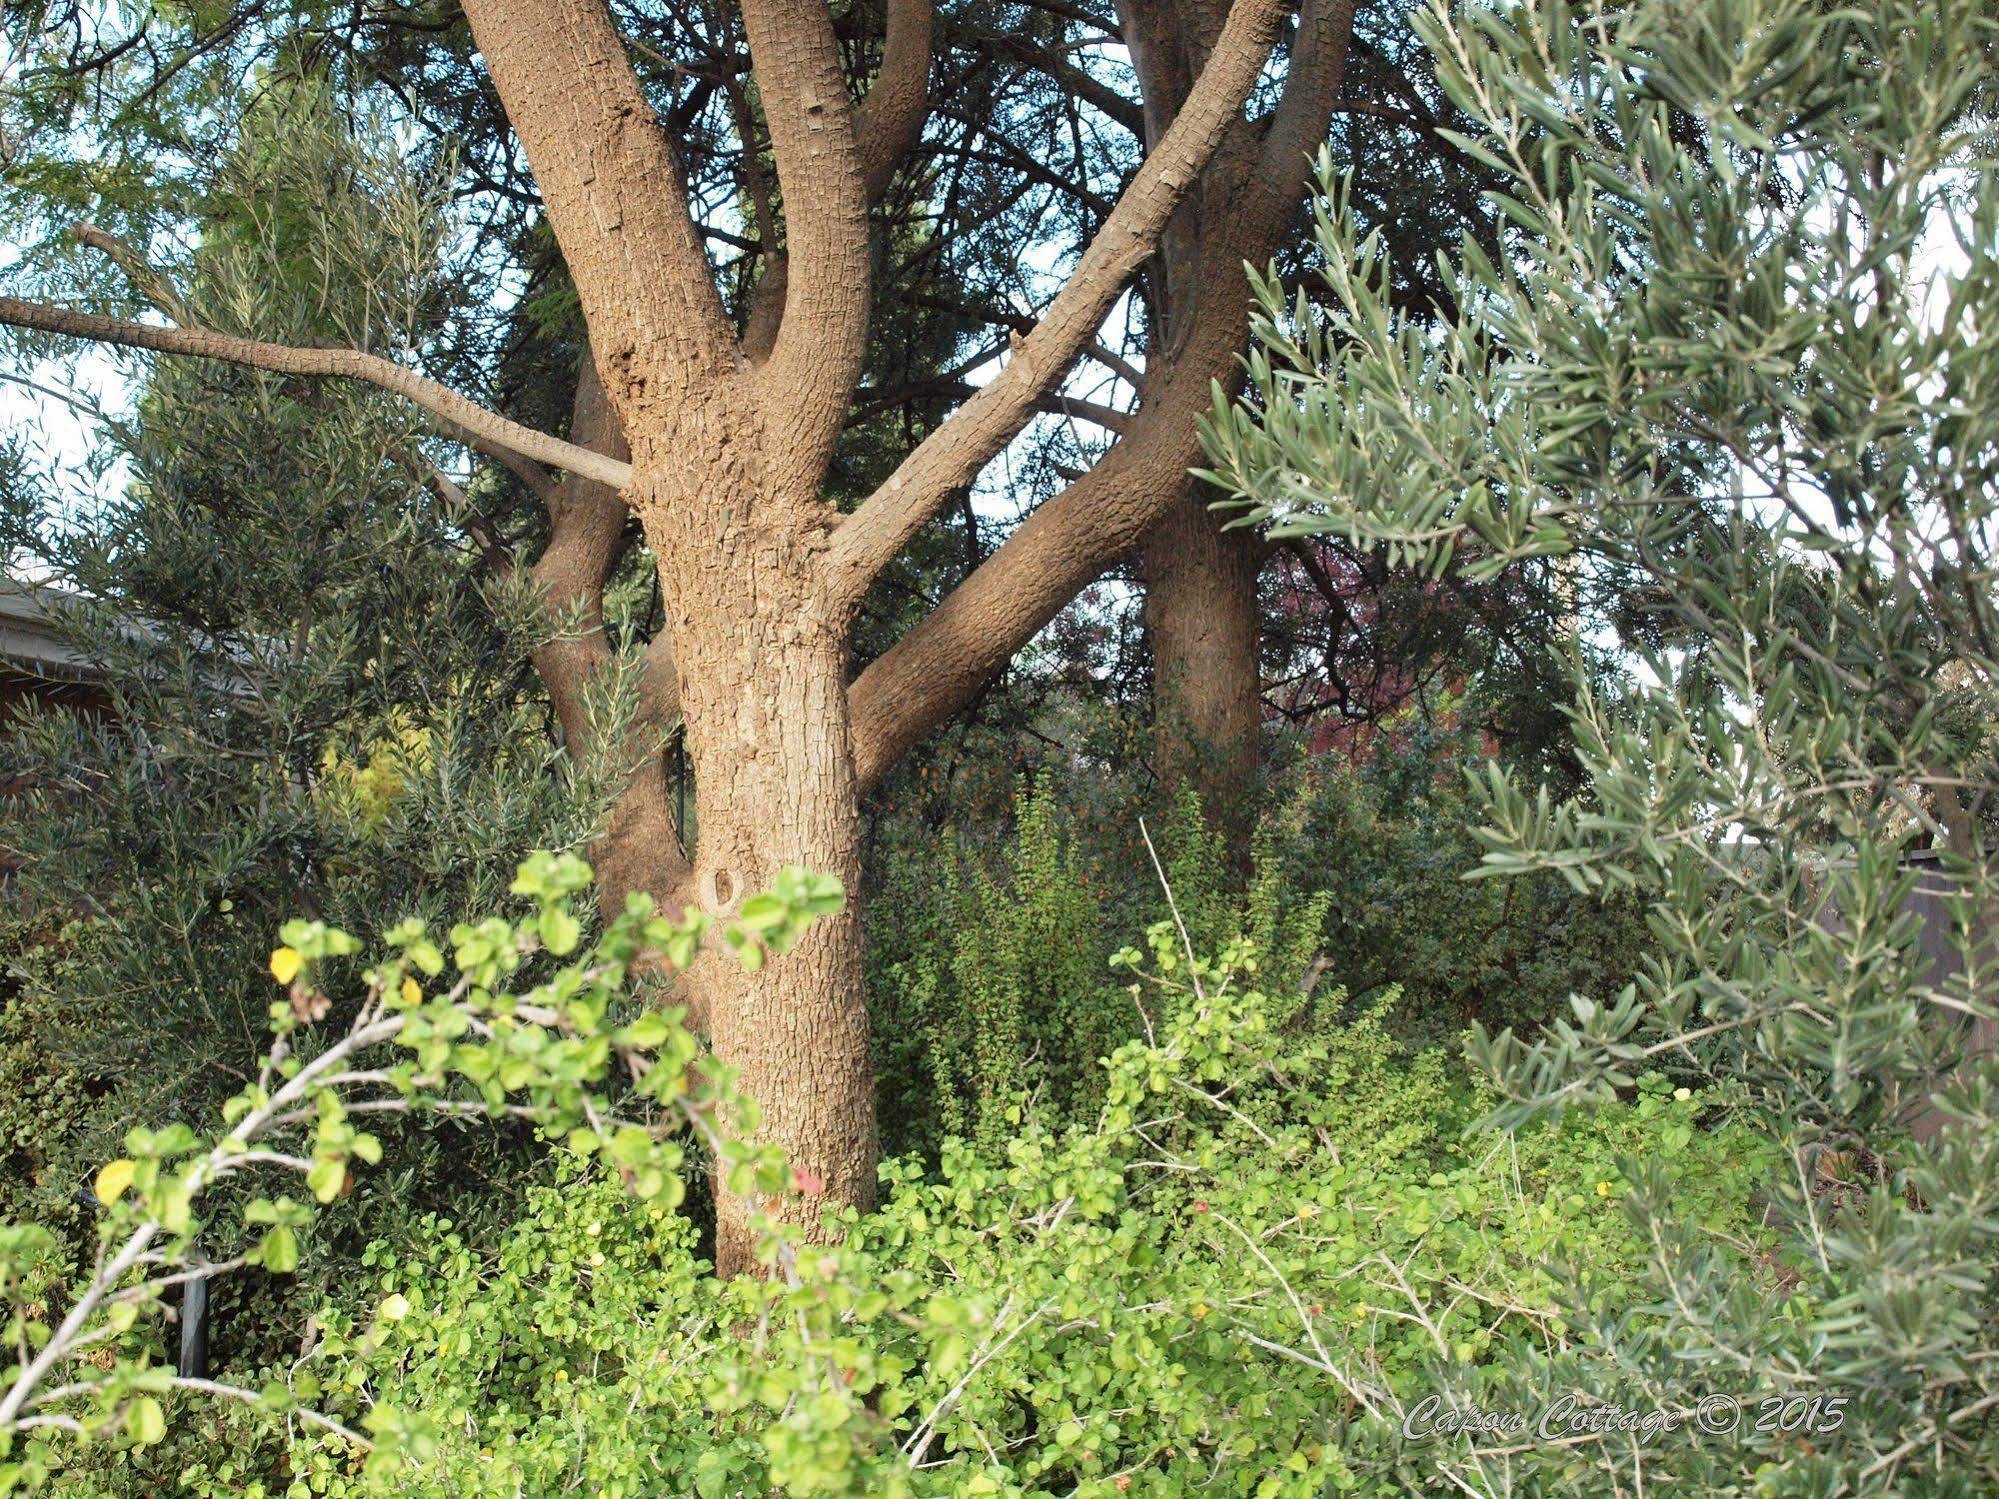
[763, 679]
[1201, 614]
[774, 786]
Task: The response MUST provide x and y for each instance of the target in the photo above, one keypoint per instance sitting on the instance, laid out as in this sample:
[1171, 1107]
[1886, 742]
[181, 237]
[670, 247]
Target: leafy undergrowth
[1273, 1239]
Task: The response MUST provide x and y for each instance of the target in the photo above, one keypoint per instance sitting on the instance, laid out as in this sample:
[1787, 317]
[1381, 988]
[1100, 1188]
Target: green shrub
[1389, 842]
[1001, 993]
[45, 1104]
[1234, 1275]
[988, 978]
[316, 700]
[986, 947]
[523, 1022]
[1202, 1289]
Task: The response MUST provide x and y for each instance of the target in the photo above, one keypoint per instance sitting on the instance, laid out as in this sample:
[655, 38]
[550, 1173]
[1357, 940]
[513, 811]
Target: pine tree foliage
[1742, 344]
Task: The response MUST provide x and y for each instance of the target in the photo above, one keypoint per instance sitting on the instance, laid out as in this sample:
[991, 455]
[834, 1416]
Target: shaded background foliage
[314, 701]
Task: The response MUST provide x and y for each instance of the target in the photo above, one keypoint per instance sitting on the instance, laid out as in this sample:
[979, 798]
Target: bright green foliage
[1232, 1276]
[1202, 1288]
[1281, 920]
[498, 1029]
[992, 998]
[43, 1104]
[987, 976]
[1742, 348]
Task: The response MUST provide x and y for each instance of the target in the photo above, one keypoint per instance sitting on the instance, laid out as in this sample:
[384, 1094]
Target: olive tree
[1741, 346]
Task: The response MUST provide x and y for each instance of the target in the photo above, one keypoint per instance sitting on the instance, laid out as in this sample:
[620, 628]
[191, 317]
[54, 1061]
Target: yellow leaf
[112, 1181]
[285, 964]
[412, 992]
[145, 1422]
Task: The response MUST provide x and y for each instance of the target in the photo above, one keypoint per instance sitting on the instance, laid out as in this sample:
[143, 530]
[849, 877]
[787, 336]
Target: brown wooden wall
[20, 691]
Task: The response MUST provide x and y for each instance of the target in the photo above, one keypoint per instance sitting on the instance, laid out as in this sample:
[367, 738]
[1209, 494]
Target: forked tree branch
[887, 124]
[890, 118]
[141, 272]
[951, 457]
[766, 299]
[352, 364]
[1303, 115]
[940, 665]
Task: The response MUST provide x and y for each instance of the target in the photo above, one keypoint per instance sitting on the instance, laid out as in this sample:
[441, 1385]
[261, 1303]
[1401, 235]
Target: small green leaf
[279, 1251]
[761, 913]
[326, 1178]
[560, 931]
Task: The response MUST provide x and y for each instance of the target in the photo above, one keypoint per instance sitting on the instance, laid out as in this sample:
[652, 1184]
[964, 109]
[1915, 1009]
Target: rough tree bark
[1202, 618]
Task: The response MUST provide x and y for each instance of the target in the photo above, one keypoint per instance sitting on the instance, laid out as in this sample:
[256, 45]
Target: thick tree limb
[766, 300]
[941, 664]
[587, 535]
[607, 173]
[952, 455]
[639, 847]
[815, 360]
[887, 124]
[1303, 115]
[351, 364]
